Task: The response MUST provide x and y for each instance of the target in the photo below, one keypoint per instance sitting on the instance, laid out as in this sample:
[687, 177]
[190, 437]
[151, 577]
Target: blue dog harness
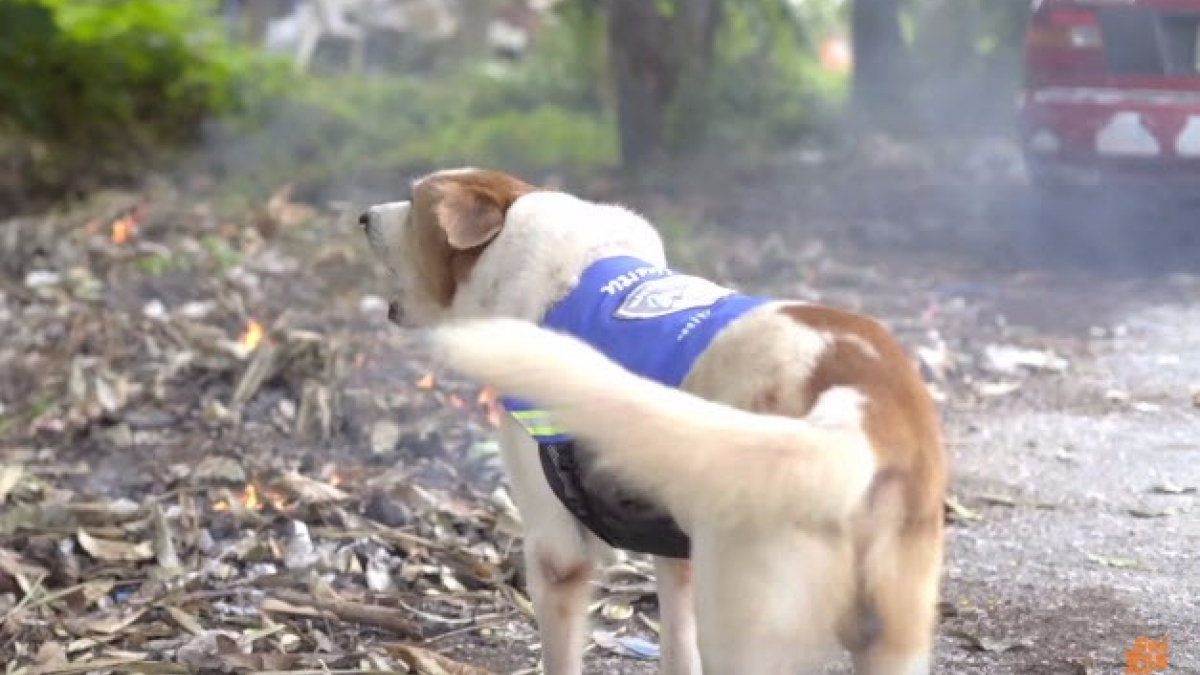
[655, 323]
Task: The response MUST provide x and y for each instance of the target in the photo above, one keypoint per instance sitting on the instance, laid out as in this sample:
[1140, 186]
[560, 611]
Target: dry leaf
[10, 476]
[615, 609]
[50, 654]
[186, 621]
[277, 606]
[14, 565]
[154, 668]
[240, 663]
[1114, 561]
[958, 512]
[986, 644]
[164, 544]
[997, 500]
[385, 434]
[308, 490]
[89, 643]
[425, 662]
[220, 470]
[209, 650]
[119, 663]
[114, 551]
[649, 623]
[1169, 488]
[108, 622]
[1154, 513]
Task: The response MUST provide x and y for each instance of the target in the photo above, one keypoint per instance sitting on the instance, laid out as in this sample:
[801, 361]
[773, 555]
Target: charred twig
[347, 611]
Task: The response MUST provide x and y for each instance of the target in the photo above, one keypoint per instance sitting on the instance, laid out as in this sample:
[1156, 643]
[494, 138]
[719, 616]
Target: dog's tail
[696, 456]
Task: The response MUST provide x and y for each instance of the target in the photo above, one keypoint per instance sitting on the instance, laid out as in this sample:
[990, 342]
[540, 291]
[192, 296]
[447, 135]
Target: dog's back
[807, 468]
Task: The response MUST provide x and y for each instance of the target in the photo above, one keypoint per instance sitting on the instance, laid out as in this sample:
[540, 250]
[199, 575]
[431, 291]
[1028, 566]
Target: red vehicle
[1112, 91]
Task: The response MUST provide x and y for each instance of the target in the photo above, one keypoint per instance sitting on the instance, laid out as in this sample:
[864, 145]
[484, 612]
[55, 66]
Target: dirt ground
[1069, 385]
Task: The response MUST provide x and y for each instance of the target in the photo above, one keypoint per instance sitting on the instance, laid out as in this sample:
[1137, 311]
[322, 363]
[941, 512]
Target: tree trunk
[881, 61]
[660, 52]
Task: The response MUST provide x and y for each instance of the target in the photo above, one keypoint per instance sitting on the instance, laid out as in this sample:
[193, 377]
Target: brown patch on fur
[454, 217]
[569, 575]
[898, 535]
[767, 401]
[898, 414]
[682, 568]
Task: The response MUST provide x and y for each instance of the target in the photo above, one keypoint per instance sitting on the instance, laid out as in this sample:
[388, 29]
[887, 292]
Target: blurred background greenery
[101, 92]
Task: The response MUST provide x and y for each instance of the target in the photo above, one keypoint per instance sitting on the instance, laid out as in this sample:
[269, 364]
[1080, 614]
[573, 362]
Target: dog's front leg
[560, 589]
[677, 616]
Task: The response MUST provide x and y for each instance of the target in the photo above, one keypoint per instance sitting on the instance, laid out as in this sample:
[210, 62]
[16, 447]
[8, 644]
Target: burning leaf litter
[200, 473]
[123, 229]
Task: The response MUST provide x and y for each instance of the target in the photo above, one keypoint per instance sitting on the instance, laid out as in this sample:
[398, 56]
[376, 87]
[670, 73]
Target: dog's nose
[365, 220]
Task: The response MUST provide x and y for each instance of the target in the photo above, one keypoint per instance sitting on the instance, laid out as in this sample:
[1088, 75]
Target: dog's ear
[472, 206]
[470, 215]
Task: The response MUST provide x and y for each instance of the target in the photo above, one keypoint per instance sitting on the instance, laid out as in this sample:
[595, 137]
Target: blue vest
[655, 323]
[652, 321]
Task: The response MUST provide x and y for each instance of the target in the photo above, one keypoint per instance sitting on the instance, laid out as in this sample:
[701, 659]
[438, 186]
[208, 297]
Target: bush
[767, 85]
[338, 131]
[97, 87]
[141, 71]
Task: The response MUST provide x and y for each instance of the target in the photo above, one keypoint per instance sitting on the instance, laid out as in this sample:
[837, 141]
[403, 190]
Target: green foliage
[157, 264]
[536, 115]
[119, 72]
[967, 57]
[92, 90]
[768, 86]
[107, 88]
[223, 255]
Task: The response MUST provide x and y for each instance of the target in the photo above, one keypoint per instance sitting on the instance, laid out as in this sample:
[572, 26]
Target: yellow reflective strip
[542, 431]
[535, 422]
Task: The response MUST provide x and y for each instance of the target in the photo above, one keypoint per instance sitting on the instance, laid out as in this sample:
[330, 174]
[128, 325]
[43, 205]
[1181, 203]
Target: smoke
[968, 67]
[951, 180]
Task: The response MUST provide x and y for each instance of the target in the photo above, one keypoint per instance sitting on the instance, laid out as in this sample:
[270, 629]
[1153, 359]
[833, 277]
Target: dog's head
[431, 240]
[475, 242]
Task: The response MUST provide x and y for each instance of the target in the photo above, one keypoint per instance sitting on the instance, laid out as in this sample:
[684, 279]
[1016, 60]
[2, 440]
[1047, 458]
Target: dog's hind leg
[900, 572]
[767, 599]
[677, 616]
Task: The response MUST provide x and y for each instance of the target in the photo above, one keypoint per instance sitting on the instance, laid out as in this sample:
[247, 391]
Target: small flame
[491, 403]
[252, 335]
[277, 499]
[426, 381]
[335, 479]
[454, 401]
[123, 229]
[251, 499]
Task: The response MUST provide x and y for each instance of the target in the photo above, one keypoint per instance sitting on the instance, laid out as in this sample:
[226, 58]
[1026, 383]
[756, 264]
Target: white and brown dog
[796, 445]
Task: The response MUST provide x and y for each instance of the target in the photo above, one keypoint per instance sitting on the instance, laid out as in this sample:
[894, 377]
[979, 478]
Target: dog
[796, 448]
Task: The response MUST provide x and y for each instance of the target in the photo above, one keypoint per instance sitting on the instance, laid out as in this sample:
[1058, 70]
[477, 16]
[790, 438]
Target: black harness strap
[621, 521]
